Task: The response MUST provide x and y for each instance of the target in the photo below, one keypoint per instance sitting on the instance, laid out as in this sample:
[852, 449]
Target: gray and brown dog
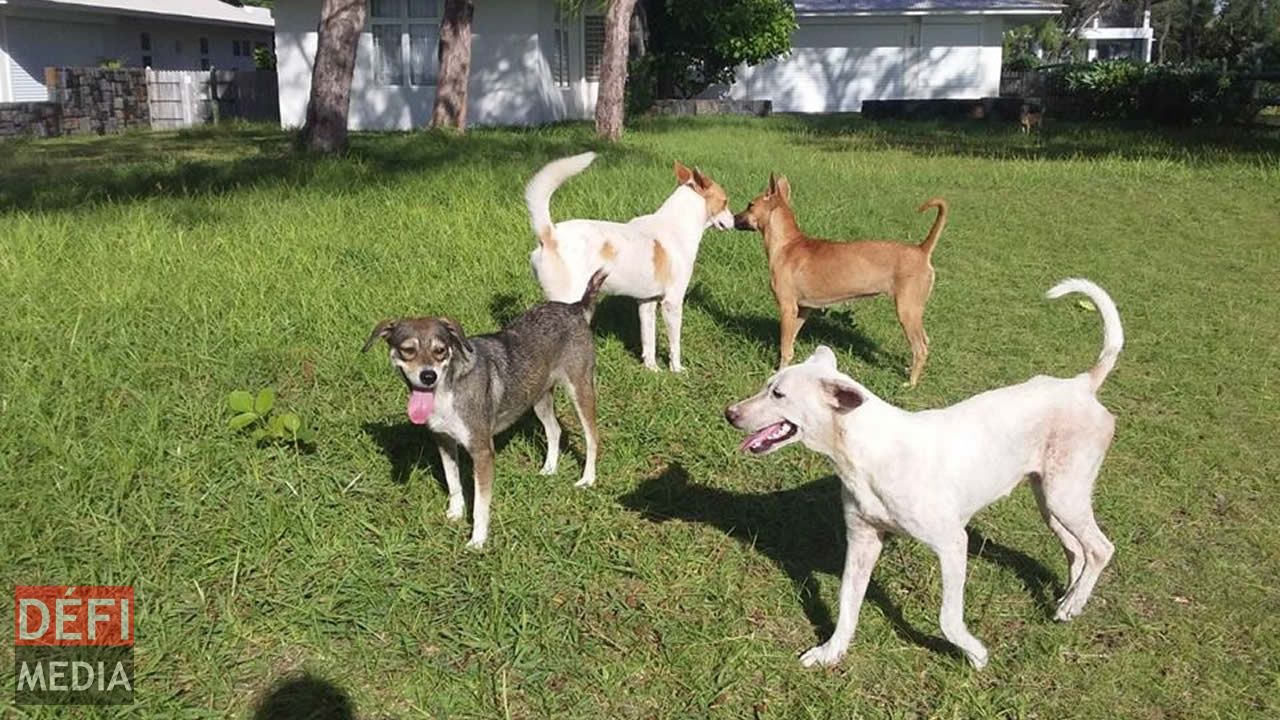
[466, 390]
[807, 273]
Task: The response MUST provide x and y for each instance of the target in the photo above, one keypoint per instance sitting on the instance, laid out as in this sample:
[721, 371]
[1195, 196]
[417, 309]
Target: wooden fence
[186, 98]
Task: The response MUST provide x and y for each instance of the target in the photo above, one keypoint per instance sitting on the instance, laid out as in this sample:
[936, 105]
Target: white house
[847, 51]
[163, 34]
[529, 65]
[1119, 33]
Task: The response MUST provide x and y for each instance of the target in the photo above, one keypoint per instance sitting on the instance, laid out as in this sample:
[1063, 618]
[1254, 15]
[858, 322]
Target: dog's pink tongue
[755, 437]
[420, 406]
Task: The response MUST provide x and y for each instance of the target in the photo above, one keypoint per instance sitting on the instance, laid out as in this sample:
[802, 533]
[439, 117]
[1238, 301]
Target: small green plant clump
[253, 412]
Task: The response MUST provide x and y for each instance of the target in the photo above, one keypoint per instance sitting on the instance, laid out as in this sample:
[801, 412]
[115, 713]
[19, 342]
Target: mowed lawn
[144, 277]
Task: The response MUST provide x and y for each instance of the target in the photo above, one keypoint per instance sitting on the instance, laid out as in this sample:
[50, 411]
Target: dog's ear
[842, 396]
[683, 174]
[381, 330]
[773, 184]
[701, 180]
[783, 188]
[456, 336]
[823, 357]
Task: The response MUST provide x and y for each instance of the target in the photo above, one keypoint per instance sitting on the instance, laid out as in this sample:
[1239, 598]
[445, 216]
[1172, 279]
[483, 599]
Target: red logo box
[73, 615]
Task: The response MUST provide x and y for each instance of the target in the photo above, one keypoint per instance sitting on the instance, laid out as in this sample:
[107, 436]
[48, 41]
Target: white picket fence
[186, 98]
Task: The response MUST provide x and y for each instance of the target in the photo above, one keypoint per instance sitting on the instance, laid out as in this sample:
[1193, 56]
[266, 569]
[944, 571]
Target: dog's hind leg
[482, 460]
[545, 409]
[952, 555]
[649, 333]
[1068, 492]
[584, 401]
[910, 302]
[1070, 545]
[449, 460]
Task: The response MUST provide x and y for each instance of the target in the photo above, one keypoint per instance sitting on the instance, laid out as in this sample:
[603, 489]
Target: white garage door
[37, 44]
[835, 65]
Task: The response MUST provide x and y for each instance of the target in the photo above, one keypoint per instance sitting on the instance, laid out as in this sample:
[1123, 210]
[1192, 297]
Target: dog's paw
[586, 481]
[677, 367]
[548, 469]
[456, 511]
[977, 660]
[1067, 611]
[476, 543]
[822, 656]
[652, 365]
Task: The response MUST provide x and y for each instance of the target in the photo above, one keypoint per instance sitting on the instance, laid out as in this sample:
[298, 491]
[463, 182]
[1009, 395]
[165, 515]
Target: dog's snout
[428, 377]
[740, 222]
[731, 415]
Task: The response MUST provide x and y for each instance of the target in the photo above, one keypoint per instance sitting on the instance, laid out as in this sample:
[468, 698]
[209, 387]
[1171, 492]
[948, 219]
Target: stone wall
[99, 101]
[82, 101]
[30, 119]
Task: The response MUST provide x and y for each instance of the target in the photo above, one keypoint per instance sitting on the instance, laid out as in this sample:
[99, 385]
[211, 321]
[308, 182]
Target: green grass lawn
[144, 277]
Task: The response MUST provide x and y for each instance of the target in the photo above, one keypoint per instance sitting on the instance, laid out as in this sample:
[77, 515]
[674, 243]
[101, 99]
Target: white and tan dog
[649, 258]
[926, 474]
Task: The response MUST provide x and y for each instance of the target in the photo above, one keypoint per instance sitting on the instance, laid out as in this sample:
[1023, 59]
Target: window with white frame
[593, 45]
[560, 51]
[406, 34]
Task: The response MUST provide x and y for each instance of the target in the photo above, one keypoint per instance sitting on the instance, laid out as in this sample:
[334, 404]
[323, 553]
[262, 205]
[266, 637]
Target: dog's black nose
[731, 415]
[428, 377]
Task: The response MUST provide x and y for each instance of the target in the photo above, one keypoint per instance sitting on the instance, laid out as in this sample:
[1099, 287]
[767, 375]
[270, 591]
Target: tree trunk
[341, 22]
[613, 69]
[450, 109]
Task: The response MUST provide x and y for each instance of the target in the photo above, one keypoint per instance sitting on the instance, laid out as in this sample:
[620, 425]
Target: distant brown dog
[1030, 118]
[809, 273]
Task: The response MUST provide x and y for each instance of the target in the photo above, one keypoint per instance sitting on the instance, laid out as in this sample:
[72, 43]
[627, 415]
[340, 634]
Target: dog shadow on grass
[834, 327]
[410, 447]
[802, 531]
[306, 697]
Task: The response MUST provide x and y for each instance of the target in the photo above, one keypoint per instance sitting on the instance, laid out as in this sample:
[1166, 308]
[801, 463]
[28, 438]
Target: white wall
[836, 64]
[510, 82]
[40, 39]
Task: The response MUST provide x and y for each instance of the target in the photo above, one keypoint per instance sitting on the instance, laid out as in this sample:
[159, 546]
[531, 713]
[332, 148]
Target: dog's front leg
[861, 552]
[482, 458]
[673, 316]
[649, 333]
[449, 459]
[953, 555]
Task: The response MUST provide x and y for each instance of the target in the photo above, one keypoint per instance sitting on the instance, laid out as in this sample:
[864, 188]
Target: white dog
[650, 258]
[925, 474]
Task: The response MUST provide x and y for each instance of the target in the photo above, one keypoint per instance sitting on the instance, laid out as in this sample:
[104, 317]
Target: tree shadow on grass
[802, 532]
[829, 327]
[69, 173]
[304, 697]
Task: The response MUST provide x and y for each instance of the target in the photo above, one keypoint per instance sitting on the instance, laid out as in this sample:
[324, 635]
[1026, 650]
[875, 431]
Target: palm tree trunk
[613, 69]
[341, 22]
[450, 108]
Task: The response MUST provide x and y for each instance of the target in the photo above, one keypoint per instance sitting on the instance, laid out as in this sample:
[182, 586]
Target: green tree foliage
[1028, 46]
[699, 42]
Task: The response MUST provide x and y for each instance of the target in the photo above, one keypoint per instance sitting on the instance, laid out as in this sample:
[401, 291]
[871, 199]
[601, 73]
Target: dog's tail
[537, 194]
[1112, 333]
[592, 293]
[938, 223]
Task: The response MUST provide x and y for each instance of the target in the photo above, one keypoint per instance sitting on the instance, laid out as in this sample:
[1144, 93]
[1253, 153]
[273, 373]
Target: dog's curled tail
[592, 293]
[1112, 332]
[938, 223]
[537, 194]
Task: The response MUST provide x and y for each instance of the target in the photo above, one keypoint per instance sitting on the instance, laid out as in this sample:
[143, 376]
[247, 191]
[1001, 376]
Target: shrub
[1164, 94]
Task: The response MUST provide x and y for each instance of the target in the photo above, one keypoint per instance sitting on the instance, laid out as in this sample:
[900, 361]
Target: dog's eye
[777, 394]
[440, 352]
[407, 351]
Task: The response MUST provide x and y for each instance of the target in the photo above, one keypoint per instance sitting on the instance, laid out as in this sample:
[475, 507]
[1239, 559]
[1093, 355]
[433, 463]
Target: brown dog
[1030, 118]
[808, 273]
